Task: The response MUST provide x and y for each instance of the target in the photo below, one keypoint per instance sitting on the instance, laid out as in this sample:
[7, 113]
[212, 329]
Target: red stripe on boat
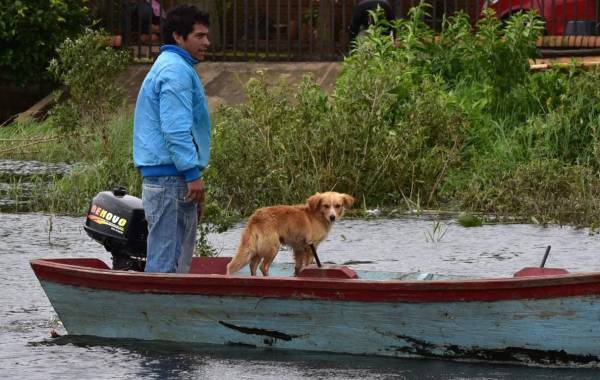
[94, 274]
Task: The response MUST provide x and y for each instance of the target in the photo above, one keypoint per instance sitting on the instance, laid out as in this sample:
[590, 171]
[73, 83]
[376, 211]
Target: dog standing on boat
[298, 226]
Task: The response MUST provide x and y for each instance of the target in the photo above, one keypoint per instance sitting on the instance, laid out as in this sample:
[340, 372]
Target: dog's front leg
[302, 257]
[299, 255]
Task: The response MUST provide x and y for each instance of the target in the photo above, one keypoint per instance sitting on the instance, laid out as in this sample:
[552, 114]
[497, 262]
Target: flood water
[20, 173]
[27, 349]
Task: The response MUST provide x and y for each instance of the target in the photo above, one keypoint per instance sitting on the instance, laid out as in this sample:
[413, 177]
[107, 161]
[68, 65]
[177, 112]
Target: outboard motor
[117, 221]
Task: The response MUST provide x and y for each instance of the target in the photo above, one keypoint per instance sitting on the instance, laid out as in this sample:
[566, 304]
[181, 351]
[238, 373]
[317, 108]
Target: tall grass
[89, 126]
[101, 161]
[453, 121]
[456, 120]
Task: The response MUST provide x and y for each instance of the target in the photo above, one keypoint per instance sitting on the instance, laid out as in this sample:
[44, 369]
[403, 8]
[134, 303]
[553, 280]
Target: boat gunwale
[366, 290]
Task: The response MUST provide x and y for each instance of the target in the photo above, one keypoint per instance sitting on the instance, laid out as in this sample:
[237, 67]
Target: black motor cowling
[117, 221]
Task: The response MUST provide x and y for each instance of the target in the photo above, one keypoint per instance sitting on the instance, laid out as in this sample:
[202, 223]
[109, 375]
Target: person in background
[171, 141]
[146, 20]
[361, 18]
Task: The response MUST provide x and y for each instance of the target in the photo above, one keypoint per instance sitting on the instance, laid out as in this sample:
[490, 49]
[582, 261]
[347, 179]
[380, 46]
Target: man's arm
[176, 120]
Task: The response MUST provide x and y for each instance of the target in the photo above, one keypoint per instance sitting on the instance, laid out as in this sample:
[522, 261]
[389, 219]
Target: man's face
[196, 42]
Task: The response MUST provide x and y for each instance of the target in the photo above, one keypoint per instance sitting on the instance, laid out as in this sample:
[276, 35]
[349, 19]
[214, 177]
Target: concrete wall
[224, 82]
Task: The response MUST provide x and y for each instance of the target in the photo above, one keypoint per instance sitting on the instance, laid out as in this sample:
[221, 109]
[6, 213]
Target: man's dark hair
[181, 19]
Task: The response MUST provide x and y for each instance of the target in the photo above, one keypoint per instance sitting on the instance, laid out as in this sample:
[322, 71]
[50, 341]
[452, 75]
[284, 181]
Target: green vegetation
[469, 220]
[31, 30]
[88, 70]
[84, 128]
[456, 121]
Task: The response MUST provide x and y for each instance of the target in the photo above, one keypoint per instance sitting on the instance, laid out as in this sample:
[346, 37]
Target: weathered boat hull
[550, 330]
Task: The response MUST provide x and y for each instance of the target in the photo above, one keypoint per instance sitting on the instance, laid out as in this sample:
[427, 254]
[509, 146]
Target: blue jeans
[172, 223]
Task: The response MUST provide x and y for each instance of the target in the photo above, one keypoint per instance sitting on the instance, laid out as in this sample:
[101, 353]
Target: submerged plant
[469, 220]
[50, 228]
[437, 233]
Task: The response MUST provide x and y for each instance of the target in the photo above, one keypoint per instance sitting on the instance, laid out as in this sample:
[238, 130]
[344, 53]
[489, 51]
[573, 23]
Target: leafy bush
[30, 32]
[456, 119]
[545, 190]
[88, 69]
[453, 121]
[88, 126]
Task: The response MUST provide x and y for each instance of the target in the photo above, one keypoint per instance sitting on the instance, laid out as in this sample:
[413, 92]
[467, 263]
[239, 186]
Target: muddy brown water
[27, 349]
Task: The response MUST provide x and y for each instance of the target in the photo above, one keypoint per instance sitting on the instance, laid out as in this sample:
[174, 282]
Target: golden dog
[297, 226]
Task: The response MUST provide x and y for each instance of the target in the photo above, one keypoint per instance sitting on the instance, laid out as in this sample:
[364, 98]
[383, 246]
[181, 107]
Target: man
[171, 141]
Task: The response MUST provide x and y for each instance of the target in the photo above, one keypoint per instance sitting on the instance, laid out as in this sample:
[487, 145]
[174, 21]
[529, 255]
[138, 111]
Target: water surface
[27, 349]
[16, 178]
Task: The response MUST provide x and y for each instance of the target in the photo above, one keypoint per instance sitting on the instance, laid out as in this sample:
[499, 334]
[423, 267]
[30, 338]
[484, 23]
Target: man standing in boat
[171, 141]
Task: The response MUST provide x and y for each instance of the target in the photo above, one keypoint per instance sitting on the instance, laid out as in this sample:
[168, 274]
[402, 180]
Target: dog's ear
[314, 201]
[348, 200]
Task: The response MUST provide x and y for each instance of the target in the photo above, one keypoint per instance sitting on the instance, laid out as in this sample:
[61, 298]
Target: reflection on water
[26, 317]
[169, 360]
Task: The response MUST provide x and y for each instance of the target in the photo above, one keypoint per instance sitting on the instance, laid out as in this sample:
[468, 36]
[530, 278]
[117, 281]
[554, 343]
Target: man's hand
[195, 191]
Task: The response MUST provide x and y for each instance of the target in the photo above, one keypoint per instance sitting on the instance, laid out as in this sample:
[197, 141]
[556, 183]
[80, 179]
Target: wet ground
[27, 349]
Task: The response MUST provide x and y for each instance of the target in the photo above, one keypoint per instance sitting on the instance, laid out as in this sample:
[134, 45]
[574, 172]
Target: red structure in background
[562, 17]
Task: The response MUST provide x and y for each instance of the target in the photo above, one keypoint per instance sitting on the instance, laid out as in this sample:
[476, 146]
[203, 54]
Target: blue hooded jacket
[171, 126]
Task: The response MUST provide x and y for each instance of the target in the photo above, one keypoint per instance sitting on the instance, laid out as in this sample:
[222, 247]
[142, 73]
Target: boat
[545, 315]
[539, 315]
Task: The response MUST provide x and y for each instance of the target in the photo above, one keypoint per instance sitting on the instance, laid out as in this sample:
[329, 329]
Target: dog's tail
[242, 257]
